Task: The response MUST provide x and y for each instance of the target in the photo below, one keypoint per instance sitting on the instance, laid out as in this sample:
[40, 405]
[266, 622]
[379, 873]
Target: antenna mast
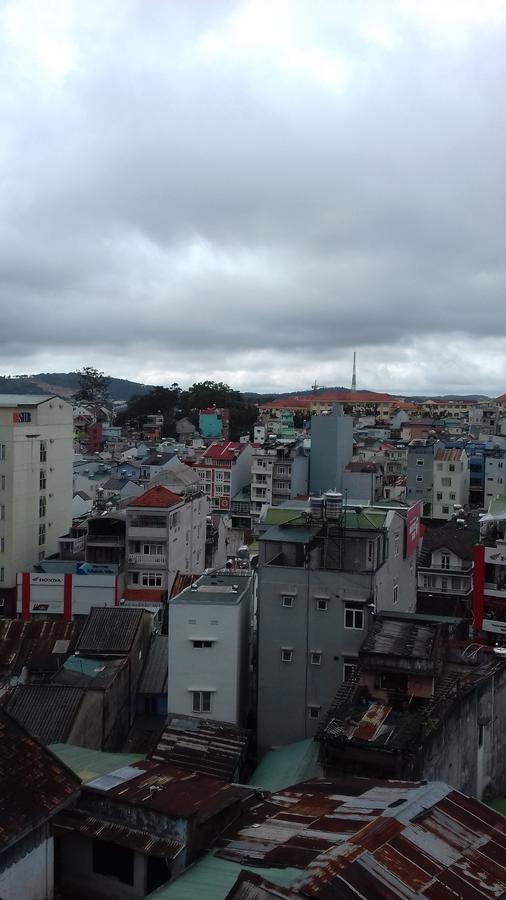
[354, 376]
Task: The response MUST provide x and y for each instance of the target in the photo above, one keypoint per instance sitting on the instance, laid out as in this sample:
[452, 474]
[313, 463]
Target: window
[201, 701]
[42, 554]
[2, 573]
[451, 467]
[446, 510]
[151, 579]
[499, 465]
[439, 496]
[419, 478]
[322, 605]
[42, 535]
[370, 551]
[444, 584]
[2, 482]
[446, 482]
[396, 545]
[199, 645]
[42, 507]
[349, 669]
[287, 600]
[42, 480]
[452, 496]
[113, 861]
[353, 615]
[315, 658]
[135, 577]
[439, 467]
[286, 655]
[2, 545]
[419, 462]
[43, 451]
[445, 560]
[481, 729]
[2, 451]
[314, 712]
[428, 581]
[396, 593]
[2, 513]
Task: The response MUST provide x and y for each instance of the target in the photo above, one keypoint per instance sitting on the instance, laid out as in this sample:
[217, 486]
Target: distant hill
[65, 384]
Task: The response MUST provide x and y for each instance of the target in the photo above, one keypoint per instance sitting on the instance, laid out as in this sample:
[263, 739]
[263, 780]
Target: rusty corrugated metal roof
[34, 784]
[363, 838]
[110, 630]
[371, 722]
[90, 826]
[32, 644]
[204, 745]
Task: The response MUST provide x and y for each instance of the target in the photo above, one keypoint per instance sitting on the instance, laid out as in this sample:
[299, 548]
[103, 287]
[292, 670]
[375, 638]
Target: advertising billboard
[413, 520]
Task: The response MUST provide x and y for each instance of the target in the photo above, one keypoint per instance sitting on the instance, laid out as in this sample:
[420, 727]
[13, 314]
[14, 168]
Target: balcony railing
[434, 567]
[495, 590]
[111, 540]
[148, 559]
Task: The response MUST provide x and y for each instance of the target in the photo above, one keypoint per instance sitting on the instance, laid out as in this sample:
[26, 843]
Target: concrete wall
[51, 422]
[420, 475]
[221, 668]
[78, 879]
[87, 728]
[30, 876]
[331, 451]
[453, 754]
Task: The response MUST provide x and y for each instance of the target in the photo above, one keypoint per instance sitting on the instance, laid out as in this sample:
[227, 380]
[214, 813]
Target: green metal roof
[279, 515]
[499, 805]
[211, 879]
[299, 534]
[83, 665]
[422, 617]
[89, 764]
[288, 765]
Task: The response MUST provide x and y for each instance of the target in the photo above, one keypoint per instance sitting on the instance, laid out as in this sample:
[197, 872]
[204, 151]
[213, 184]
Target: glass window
[316, 658]
[314, 712]
[286, 655]
[201, 702]
[322, 605]
[199, 645]
[42, 480]
[42, 507]
[349, 669]
[353, 615]
[287, 600]
[43, 451]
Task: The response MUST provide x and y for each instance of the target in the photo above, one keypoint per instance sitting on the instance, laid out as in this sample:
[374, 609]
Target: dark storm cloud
[223, 189]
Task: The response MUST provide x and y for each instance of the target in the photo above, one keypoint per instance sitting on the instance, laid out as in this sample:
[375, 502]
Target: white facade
[31, 877]
[36, 451]
[279, 472]
[44, 593]
[209, 648]
[451, 482]
[164, 541]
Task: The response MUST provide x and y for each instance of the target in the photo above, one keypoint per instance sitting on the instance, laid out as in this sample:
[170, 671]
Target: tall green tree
[93, 386]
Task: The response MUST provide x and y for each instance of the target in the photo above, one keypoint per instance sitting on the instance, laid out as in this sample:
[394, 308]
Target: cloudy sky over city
[250, 191]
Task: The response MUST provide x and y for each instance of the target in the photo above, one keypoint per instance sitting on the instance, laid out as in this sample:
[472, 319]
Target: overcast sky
[250, 191]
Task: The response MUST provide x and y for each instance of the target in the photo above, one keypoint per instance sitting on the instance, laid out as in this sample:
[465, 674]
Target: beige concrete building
[35, 482]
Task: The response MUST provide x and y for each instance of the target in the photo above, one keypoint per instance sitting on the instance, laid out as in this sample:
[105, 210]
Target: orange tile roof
[157, 497]
[351, 397]
[501, 399]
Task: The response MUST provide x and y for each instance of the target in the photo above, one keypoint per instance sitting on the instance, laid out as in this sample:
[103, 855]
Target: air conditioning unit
[50, 495]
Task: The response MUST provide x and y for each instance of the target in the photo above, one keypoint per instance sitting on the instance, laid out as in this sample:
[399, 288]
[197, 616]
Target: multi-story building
[214, 424]
[209, 648]
[420, 474]
[445, 569]
[320, 579]
[451, 482]
[363, 481]
[36, 450]
[331, 451]
[165, 535]
[224, 469]
[495, 475]
[279, 472]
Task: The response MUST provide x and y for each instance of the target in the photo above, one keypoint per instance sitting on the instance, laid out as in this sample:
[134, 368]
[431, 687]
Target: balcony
[147, 559]
[495, 590]
[441, 570]
[108, 540]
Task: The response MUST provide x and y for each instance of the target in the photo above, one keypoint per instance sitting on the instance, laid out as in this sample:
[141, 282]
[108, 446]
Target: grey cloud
[155, 199]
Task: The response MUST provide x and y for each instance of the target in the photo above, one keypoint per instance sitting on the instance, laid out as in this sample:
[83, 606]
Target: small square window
[419, 478]
[201, 701]
[314, 712]
[286, 655]
[316, 658]
[287, 600]
[349, 669]
[322, 605]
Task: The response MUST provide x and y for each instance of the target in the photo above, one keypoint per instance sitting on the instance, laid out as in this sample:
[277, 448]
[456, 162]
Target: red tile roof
[144, 595]
[351, 397]
[501, 399]
[157, 498]
[287, 403]
[227, 450]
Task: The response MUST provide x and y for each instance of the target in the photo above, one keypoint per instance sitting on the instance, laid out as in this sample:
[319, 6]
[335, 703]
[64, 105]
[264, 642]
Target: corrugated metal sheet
[172, 791]
[47, 711]
[36, 644]
[204, 745]
[33, 783]
[89, 764]
[211, 879]
[141, 841]
[370, 723]
[110, 630]
[400, 638]
[154, 676]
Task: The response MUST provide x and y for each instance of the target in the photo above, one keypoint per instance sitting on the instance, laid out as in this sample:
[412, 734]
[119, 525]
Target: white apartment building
[450, 482]
[279, 472]
[209, 648]
[224, 469]
[36, 451]
[165, 535]
[495, 476]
